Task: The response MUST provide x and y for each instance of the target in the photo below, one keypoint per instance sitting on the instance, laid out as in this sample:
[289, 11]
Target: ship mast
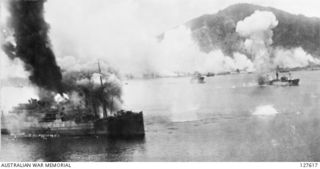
[100, 74]
[1, 127]
[104, 107]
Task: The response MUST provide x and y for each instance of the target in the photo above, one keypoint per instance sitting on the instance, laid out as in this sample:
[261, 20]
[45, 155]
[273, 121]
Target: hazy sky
[122, 32]
[160, 15]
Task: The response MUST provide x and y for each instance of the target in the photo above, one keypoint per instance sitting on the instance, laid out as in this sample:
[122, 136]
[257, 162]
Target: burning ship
[91, 110]
[73, 103]
[55, 121]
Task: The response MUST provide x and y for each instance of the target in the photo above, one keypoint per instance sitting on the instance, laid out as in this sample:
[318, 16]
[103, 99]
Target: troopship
[92, 118]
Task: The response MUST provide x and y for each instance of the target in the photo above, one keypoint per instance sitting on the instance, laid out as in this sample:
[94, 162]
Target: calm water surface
[229, 118]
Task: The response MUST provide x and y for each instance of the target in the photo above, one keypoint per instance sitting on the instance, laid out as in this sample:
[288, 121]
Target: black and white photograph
[160, 81]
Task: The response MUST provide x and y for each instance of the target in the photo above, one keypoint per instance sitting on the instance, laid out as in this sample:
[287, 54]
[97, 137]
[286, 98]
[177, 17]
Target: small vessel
[197, 77]
[3, 127]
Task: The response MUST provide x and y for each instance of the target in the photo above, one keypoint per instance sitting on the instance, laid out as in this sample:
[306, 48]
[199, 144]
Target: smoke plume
[31, 43]
[177, 52]
[293, 58]
[257, 31]
[86, 85]
[115, 33]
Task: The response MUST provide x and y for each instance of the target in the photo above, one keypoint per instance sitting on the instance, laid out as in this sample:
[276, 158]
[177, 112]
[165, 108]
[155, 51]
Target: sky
[122, 32]
[161, 15]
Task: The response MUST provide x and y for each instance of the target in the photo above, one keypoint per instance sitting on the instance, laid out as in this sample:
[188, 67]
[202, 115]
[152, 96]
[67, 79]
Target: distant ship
[4, 129]
[282, 81]
[47, 118]
[210, 74]
[197, 77]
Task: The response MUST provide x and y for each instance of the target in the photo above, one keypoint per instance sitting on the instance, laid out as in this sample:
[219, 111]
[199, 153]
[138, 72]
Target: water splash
[265, 110]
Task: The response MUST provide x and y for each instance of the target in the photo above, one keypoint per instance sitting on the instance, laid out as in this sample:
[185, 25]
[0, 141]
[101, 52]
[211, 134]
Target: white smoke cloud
[94, 80]
[15, 122]
[14, 94]
[11, 68]
[178, 52]
[258, 26]
[109, 32]
[8, 68]
[296, 57]
[4, 14]
[257, 29]
[76, 99]
[116, 34]
[217, 62]
[242, 62]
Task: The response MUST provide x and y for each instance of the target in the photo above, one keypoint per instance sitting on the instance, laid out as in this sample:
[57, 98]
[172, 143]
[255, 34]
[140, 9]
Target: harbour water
[228, 118]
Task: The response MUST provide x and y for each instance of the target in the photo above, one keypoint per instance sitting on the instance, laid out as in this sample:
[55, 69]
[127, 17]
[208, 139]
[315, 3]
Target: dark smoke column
[32, 43]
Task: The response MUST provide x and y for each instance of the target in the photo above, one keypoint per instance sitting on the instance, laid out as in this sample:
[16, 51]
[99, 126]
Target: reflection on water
[69, 149]
[229, 118]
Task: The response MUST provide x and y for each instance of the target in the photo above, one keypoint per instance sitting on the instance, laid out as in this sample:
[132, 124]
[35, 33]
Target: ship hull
[294, 82]
[5, 131]
[128, 125]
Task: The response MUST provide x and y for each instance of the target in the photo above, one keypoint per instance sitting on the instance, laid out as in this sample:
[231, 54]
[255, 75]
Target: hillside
[218, 30]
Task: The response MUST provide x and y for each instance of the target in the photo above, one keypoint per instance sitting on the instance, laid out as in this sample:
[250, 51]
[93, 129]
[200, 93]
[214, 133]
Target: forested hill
[218, 30]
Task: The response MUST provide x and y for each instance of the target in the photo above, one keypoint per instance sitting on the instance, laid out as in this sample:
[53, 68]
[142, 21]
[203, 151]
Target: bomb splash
[257, 31]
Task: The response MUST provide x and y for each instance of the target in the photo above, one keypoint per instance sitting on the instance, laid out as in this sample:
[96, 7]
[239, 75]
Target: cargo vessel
[282, 81]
